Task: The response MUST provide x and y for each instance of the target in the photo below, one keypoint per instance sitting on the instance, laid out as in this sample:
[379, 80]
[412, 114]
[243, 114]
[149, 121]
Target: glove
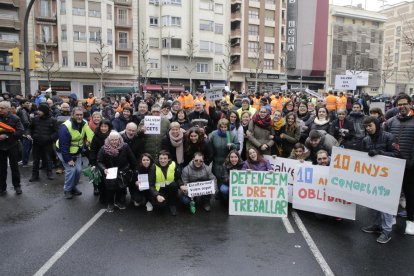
[372, 153]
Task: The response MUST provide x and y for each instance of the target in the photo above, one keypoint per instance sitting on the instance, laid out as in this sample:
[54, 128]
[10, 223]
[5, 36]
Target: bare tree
[143, 54]
[282, 64]
[51, 68]
[258, 63]
[387, 70]
[190, 51]
[101, 67]
[227, 61]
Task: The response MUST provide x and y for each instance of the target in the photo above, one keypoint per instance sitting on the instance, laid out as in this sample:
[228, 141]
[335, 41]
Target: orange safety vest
[188, 101]
[341, 104]
[330, 102]
[181, 99]
[276, 104]
[256, 103]
[90, 101]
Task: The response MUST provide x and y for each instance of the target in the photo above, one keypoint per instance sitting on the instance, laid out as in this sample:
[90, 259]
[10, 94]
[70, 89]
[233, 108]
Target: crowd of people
[199, 140]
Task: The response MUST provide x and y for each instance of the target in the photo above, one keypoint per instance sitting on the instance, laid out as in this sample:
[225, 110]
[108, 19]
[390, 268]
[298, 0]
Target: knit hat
[246, 100]
[44, 108]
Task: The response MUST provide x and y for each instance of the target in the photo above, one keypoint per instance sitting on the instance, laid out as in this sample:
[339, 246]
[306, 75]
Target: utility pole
[139, 49]
[26, 49]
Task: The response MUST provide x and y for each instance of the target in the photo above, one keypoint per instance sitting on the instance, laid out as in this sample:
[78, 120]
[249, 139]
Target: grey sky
[373, 5]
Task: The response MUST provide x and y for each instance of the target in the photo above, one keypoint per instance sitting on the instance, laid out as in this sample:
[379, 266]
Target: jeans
[27, 147]
[72, 174]
[12, 155]
[383, 220]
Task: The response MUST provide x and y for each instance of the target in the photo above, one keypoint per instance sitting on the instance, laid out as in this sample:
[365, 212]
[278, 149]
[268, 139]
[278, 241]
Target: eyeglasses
[198, 161]
[403, 104]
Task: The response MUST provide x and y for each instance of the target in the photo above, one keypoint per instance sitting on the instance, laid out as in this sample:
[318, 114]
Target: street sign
[344, 82]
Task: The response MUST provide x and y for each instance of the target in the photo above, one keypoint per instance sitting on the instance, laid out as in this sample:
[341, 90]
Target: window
[171, 2]
[46, 31]
[80, 59]
[154, 2]
[63, 7]
[47, 57]
[270, 15]
[153, 63]
[375, 24]
[340, 19]
[94, 9]
[109, 36]
[271, 2]
[396, 57]
[218, 28]
[64, 34]
[110, 61]
[218, 8]
[94, 35]
[217, 67]
[206, 25]
[398, 31]
[173, 67]
[206, 46]
[254, 30]
[108, 12]
[253, 47]
[206, 5]
[122, 16]
[268, 64]
[79, 33]
[269, 48]
[218, 48]
[154, 42]
[254, 13]
[123, 61]
[44, 8]
[123, 40]
[78, 11]
[65, 60]
[153, 20]
[9, 37]
[269, 31]
[397, 44]
[171, 21]
[174, 43]
[202, 67]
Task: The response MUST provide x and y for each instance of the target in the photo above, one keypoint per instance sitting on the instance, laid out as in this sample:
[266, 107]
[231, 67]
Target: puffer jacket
[193, 174]
[383, 142]
[44, 130]
[152, 142]
[12, 138]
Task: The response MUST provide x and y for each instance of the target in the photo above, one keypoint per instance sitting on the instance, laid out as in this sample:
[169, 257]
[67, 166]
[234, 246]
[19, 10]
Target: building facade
[356, 38]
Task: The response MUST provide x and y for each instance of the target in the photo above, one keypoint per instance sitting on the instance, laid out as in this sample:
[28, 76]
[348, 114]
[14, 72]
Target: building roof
[397, 5]
[357, 13]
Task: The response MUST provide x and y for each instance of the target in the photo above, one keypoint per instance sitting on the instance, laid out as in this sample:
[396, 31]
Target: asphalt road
[36, 224]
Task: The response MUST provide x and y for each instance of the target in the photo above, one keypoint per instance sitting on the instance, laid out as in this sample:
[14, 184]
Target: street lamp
[301, 63]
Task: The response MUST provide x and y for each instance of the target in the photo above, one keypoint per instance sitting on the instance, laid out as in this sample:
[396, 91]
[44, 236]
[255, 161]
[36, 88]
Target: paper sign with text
[344, 82]
[152, 124]
[374, 182]
[254, 193]
[201, 188]
[214, 95]
[280, 164]
[309, 193]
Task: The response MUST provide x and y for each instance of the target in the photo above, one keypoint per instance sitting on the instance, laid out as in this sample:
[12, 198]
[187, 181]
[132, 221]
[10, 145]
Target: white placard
[214, 95]
[152, 124]
[309, 193]
[362, 76]
[201, 188]
[143, 182]
[313, 93]
[284, 87]
[112, 173]
[344, 82]
[374, 182]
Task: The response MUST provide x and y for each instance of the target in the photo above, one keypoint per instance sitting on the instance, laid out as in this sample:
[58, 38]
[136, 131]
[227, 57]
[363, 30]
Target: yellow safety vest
[76, 141]
[160, 180]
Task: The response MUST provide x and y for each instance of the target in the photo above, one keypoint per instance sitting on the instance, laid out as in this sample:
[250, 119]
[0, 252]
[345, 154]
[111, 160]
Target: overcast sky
[372, 5]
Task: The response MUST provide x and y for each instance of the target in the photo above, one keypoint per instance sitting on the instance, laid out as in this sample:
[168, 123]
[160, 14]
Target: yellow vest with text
[161, 180]
[76, 141]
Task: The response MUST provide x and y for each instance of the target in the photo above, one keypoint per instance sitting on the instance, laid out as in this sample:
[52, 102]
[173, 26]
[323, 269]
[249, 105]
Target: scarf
[109, 149]
[277, 125]
[177, 143]
[321, 122]
[232, 126]
[220, 133]
[262, 122]
[92, 125]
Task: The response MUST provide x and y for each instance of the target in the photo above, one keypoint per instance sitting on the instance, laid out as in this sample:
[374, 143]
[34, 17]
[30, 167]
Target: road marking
[288, 226]
[312, 246]
[68, 244]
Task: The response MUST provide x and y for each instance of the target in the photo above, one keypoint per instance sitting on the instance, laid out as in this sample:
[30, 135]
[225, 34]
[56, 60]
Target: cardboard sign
[309, 193]
[201, 188]
[344, 82]
[288, 166]
[254, 193]
[214, 95]
[374, 182]
[152, 124]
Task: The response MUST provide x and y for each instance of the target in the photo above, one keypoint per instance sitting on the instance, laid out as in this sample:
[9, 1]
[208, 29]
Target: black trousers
[117, 195]
[408, 188]
[170, 193]
[12, 155]
[43, 152]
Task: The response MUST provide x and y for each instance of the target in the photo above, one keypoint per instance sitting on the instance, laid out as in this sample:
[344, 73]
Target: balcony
[123, 2]
[14, 3]
[236, 16]
[123, 23]
[10, 22]
[41, 42]
[46, 17]
[124, 46]
[235, 33]
[121, 69]
[235, 51]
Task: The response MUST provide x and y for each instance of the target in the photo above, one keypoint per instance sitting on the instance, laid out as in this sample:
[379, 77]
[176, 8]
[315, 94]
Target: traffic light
[14, 57]
[35, 60]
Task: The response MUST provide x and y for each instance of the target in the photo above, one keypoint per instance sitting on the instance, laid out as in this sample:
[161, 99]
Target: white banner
[313, 93]
[362, 76]
[344, 82]
[201, 188]
[214, 95]
[152, 124]
[374, 182]
[254, 193]
[309, 193]
[284, 87]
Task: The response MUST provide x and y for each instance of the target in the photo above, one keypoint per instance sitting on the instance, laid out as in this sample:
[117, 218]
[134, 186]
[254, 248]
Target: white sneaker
[403, 202]
[409, 228]
[136, 204]
[149, 206]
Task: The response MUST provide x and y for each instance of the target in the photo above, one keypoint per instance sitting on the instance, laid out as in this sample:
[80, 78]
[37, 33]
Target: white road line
[312, 246]
[68, 244]
[288, 226]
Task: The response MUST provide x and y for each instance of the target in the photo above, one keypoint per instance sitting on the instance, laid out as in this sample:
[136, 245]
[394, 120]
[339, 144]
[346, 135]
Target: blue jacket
[65, 139]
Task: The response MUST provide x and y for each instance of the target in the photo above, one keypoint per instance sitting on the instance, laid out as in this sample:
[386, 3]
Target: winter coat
[152, 176]
[239, 133]
[318, 125]
[24, 116]
[220, 150]
[201, 119]
[135, 144]
[383, 142]
[306, 123]
[291, 137]
[193, 174]
[403, 130]
[327, 142]
[204, 148]
[356, 119]
[12, 138]
[166, 145]
[152, 142]
[225, 177]
[97, 143]
[257, 166]
[259, 137]
[119, 124]
[345, 139]
[44, 130]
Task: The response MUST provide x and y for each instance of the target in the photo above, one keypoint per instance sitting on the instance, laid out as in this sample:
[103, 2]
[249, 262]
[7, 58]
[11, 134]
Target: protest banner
[201, 188]
[152, 124]
[344, 82]
[254, 193]
[309, 193]
[214, 95]
[374, 182]
[280, 164]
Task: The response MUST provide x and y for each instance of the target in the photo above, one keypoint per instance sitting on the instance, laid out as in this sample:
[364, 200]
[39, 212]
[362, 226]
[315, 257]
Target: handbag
[125, 178]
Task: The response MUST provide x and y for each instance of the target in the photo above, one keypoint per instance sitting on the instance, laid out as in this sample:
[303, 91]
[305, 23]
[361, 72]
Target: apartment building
[11, 35]
[356, 38]
[398, 58]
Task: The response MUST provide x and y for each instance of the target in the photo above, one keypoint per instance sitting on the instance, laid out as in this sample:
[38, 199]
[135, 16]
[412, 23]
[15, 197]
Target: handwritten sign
[214, 95]
[374, 182]
[344, 82]
[254, 193]
[309, 193]
[152, 124]
[201, 188]
[143, 182]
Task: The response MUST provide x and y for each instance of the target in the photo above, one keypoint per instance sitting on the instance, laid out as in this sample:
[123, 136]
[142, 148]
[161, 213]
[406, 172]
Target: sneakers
[68, 195]
[409, 228]
[136, 203]
[120, 205]
[173, 210]
[149, 206]
[110, 208]
[192, 207]
[384, 238]
[372, 229]
[76, 192]
[18, 190]
[207, 207]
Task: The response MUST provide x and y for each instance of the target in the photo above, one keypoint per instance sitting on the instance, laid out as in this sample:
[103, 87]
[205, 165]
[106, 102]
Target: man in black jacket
[43, 131]
[24, 115]
[9, 148]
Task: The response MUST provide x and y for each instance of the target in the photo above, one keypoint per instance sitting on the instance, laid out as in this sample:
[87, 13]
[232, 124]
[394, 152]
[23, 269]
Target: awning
[153, 87]
[175, 88]
[159, 87]
[119, 90]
